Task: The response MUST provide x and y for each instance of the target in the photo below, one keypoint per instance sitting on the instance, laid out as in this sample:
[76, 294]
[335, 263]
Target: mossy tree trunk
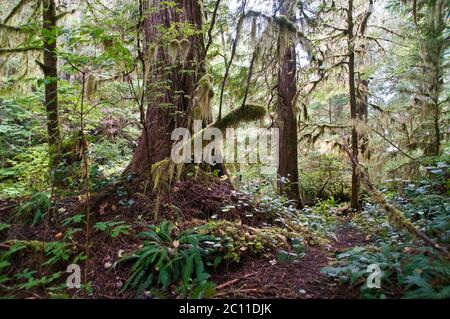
[50, 69]
[170, 84]
[353, 106]
[363, 108]
[287, 119]
[433, 45]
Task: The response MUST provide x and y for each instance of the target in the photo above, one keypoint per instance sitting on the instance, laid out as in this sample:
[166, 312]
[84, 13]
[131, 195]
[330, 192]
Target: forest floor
[300, 279]
[253, 277]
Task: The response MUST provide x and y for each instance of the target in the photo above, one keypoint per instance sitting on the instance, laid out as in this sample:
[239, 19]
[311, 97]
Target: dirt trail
[299, 279]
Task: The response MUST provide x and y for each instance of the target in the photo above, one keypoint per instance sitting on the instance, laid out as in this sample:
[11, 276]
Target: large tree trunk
[170, 86]
[287, 89]
[51, 80]
[353, 107]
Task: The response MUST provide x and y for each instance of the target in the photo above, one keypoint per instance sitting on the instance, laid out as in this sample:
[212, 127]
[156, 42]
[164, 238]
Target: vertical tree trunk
[353, 107]
[287, 89]
[434, 43]
[435, 92]
[171, 86]
[50, 70]
[363, 100]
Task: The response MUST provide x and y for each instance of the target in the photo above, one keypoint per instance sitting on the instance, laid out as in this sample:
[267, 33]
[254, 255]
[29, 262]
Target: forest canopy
[224, 149]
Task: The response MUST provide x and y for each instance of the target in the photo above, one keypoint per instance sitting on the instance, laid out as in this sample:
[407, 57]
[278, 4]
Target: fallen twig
[228, 283]
[240, 292]
[234, 281]
[3, 209]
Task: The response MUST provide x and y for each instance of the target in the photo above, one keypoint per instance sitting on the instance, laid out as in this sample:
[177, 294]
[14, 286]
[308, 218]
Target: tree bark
[353, 107]
[170, 88]
[50, 70]
[287, 120]
[433, 45]
[363, 101]
[434, 147]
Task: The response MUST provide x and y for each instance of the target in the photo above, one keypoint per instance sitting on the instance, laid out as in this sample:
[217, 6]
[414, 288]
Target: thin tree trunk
[50, 70]
[353, 107]
[363, 100]
[287, 89]
[435, 93]
[170, 86]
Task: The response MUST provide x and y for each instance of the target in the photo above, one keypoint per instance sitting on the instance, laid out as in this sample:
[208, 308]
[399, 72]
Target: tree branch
[19, 50]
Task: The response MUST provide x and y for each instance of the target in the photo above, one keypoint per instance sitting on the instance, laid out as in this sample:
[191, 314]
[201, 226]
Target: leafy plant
[407, 274]
[35, 209]
[32, 282]
[76, 219]
[165, 259]
[114, 229]
[57, 255]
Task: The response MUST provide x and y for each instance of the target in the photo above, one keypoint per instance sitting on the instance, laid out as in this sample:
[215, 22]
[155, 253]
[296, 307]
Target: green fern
[164, 260]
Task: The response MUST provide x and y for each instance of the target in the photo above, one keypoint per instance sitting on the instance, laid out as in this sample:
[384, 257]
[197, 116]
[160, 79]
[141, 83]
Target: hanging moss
[173, 50]
[151, 53]
[253, 31]
[239, 28]
[305, 44]
[284, 23]
[183, 49]
[91, 87]
[283, 43]
[163, 172]
[202, 98]
[245, 114]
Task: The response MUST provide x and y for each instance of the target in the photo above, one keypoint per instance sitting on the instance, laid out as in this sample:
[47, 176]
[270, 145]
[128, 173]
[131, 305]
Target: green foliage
[403, 274]
[17, 277]
[113, 228]
[234, 241]
[164, 260]
[16, 129]
[324, 206]
[76, 219]
[409, 269]
[214, 242]
[23, 159]
[323, 176]
[36, 208]
[269, 203]
[430, 213]
[32, 282]
[314, 225]
[425, 201]
[407, 97]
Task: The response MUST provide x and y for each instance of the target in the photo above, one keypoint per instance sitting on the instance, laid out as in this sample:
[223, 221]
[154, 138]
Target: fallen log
[396, 217]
